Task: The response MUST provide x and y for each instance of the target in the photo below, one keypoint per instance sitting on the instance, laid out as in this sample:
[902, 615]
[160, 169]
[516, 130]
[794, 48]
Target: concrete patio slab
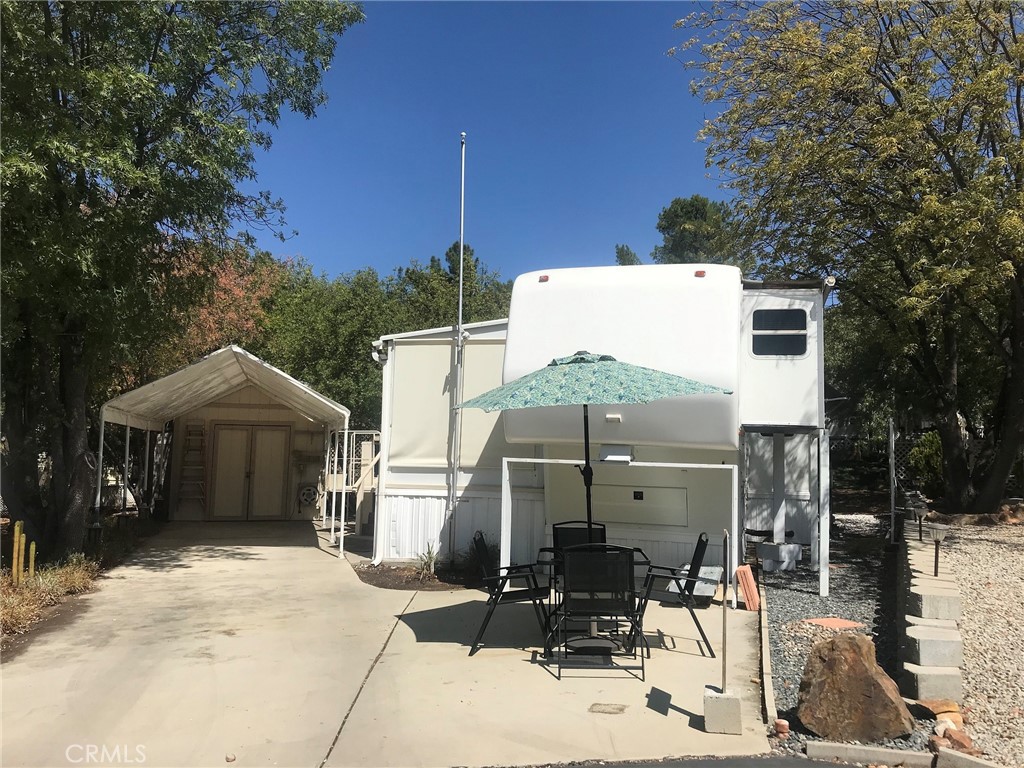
[427, 703]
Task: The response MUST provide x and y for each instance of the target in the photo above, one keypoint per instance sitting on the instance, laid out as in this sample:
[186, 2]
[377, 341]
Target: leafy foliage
[322, 330]
[128, 131]
[626, 256]
[882, 144]
[925, 459]
[696, 230]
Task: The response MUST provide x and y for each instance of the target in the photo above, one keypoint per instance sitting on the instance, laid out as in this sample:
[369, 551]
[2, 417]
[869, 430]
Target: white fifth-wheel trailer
[663, 472]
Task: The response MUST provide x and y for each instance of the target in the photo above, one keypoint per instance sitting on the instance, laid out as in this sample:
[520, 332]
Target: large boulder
[846, 696]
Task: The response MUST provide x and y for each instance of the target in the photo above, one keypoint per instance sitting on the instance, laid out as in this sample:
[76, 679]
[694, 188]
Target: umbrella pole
[588, 471]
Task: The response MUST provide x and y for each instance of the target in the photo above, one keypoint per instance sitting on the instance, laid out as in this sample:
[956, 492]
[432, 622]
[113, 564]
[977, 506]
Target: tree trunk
[74, 388]
[20, 475]
[81, 487]
[1009, 435]
[956, 470]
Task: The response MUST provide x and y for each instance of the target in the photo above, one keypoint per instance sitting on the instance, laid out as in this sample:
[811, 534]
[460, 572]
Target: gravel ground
[860, 589]
[990, 562]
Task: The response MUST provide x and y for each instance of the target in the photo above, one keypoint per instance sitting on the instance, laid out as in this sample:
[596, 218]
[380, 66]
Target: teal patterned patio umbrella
[588, 379]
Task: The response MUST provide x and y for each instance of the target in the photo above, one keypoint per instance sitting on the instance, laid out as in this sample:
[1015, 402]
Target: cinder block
[779, 557]
[920, 621]
[919, 682]
[932, 647]
[934, 602]
[722, 712]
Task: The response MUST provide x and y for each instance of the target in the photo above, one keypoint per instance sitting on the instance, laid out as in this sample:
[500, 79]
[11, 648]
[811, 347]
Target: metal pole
[146, 494]
[462, 226]
[99, 464]
[459, 359]
[327, 474]
[892, 483]
[344, 488]
[588, 471]
[936, 558]
[124, 487]
[327, 468]
[725, 610]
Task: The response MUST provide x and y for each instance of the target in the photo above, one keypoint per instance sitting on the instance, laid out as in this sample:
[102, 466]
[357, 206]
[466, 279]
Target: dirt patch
[406, 577]
[861, 501]
[1007, 515]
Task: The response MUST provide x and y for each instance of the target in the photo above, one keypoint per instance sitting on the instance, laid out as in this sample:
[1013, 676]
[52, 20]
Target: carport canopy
[215, 376]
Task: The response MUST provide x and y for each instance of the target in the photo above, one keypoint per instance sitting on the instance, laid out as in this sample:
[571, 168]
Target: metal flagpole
[459, 349]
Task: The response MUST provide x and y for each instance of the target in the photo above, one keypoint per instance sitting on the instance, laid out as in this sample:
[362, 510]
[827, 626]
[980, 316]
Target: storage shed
[248, 441]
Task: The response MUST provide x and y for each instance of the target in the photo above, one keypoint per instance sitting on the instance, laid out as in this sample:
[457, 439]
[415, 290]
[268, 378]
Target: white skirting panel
[408, 522]
[801, 516]
[671, 546]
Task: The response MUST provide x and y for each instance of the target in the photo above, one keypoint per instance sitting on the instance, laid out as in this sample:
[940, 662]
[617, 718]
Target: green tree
[322, 330]
[626, 256]
[698, 230]
[882, 143]
[128, 129]
[430, 293]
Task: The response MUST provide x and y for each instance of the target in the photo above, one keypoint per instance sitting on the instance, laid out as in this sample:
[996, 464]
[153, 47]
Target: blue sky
[579, 131]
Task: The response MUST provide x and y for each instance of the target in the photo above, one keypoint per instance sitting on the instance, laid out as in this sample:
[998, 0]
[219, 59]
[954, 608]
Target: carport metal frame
[132, 407]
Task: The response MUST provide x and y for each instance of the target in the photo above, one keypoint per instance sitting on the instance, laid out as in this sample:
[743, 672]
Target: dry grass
[23, 605]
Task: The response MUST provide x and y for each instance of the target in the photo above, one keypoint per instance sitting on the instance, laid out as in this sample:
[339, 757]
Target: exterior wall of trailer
[702, 327]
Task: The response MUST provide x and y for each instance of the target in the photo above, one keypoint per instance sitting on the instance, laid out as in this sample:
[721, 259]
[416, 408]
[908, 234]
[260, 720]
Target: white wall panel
[410, 521]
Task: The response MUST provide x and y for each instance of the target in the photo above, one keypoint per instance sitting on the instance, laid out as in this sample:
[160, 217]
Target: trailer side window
[779, 332]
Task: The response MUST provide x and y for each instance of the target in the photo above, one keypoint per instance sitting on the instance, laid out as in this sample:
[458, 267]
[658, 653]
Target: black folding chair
[598, 585]
[677, 585]
[496, 580]
[568, 533]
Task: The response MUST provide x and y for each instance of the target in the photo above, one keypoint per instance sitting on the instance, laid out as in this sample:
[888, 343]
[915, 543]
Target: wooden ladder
[193, 465]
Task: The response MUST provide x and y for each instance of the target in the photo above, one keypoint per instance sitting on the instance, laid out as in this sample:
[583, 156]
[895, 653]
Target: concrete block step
[933, 647]
[931, 602]
[920, 682]
[920, 621]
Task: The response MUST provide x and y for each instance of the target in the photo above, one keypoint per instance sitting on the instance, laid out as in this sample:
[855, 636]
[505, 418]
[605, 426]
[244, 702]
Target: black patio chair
[497, 579]
[677, 586]
[598, 587]
[568, 534]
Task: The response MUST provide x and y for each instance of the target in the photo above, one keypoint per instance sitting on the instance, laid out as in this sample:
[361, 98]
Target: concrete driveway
[216, 639]
[253, 643]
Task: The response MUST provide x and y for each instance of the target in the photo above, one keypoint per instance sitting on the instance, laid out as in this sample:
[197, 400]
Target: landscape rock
[937, 742]
[846, 696]
[955, 718]
[939, 706]
[960, 740]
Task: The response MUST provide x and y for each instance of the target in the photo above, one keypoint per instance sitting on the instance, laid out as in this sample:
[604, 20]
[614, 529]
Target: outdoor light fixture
[938, 533]
[621, 454]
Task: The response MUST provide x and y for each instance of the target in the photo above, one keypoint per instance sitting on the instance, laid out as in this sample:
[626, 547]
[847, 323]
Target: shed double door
[250, 472]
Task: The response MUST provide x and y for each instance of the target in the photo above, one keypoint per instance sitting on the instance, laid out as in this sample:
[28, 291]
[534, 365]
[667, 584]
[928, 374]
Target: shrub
[469, 563]
[925, 460]
[427, 563]
[22, 605]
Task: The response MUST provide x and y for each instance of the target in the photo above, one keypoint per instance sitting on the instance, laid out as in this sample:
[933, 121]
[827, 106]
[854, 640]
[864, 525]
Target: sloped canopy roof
[218, 374]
